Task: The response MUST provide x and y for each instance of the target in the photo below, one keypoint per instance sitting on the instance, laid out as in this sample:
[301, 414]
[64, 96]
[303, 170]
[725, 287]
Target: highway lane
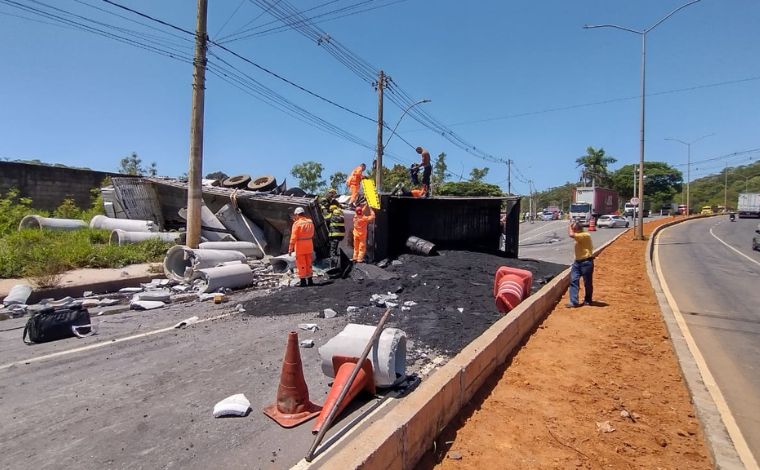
[710, 268]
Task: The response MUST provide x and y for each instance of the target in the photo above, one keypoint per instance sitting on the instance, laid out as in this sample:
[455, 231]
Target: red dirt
[579, 370]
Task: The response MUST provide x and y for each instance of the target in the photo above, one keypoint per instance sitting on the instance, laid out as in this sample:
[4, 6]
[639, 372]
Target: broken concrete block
[307, 343]
[308, 326]
[161, 295]
[90, 303]
[130, 290]
[235, 405]
[329, 313]
[18, 295]
[108, 302]
[410, 303]
[396, 262]
[352, 309]
[146, 304]
[187, 322]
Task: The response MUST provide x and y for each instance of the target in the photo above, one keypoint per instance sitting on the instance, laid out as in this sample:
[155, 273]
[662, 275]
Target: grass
[43, 255]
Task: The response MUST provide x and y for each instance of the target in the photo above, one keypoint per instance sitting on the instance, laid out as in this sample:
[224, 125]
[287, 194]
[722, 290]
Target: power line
[230, 17]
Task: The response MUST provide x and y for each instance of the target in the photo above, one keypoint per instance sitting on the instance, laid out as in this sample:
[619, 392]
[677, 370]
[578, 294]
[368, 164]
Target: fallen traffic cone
[343, 366]
[510, 293]
[592, 224]
[292, 406]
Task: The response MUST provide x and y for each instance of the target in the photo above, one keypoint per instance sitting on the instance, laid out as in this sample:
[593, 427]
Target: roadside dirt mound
[440, 286]
[563, 399]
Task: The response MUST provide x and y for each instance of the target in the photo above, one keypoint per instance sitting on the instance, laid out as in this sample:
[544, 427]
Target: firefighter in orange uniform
[301, 235]
[361, 220]
[354, 180]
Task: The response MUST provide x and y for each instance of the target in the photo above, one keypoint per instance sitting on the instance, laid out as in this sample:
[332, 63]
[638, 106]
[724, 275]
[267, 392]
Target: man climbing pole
[361, 221]
[301, 235]
[354, 182]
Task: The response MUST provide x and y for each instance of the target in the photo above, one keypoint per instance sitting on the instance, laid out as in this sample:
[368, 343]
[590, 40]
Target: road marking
[745, 454]
[735, 250]
[101, 344]
[539, 233]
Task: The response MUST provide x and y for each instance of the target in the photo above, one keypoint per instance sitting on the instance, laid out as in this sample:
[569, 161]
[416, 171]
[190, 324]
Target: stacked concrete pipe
[230, 276]
[129, 225]
[122, 237]
[36, 221]
[388, 356]
[181, 262]
[249, 249]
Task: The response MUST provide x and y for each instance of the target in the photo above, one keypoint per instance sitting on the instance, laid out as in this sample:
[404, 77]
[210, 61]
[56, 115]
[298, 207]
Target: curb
[719, 444]
[400, 438]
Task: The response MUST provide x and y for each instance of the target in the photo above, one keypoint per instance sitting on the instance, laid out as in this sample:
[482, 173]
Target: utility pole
[725, 188]
[195, 166]
[509, 177]
[379, 86]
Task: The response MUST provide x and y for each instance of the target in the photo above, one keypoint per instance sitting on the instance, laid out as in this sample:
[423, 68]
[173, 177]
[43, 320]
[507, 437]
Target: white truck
[591, 202]
[749, 205]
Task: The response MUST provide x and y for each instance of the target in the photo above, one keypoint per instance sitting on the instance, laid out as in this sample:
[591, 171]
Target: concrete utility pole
[380, 85]
[509, 177]
[195, 165]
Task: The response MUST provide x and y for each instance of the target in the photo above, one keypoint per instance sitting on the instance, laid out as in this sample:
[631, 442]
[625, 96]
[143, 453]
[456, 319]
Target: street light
[379, 163]
[688, 166]
[643, 33]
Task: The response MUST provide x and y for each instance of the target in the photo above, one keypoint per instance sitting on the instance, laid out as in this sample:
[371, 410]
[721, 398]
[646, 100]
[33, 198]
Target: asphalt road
[716, 289]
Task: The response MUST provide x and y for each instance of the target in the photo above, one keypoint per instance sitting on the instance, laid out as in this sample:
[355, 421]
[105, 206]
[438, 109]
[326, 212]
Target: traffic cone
[292, 406]
[592, 224]
[510, 293]
[343, 366]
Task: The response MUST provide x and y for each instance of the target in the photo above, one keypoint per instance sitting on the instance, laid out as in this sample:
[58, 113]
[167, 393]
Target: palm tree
[594, 165]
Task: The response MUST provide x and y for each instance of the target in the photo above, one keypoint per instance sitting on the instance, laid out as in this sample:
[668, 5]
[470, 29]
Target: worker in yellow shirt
[583, 266]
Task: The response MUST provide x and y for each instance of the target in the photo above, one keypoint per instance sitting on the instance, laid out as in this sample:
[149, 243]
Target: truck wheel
[238, 181]
[263, 183]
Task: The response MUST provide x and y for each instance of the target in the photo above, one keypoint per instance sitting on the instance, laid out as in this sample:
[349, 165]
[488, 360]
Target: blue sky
[496, 71]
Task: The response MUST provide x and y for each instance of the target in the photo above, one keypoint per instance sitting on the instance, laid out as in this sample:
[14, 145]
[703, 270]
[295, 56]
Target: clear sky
[519, 80]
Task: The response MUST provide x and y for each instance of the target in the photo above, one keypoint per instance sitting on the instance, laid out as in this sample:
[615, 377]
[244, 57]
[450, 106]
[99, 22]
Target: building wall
[48, 186]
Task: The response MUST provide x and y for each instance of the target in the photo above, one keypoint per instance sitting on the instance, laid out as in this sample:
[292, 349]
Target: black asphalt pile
[453, 293]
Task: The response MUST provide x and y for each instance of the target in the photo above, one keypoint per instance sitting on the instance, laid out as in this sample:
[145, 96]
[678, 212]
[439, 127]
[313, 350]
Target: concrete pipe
[122, 237]
[282, 263]
[249, 249]
[129, 225]
[36, 221]
[419, 246]
[241, 226]
[231, 276]
[182, 261]
[388, 357]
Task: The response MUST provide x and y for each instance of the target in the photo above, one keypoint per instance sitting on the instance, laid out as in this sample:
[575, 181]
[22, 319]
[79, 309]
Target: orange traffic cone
[510, 293]
[343, 366]
[592, 224]
[292, 406]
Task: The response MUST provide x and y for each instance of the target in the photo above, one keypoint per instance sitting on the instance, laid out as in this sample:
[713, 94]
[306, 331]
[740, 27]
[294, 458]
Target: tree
[661, 183]
[470, 189]
[132, 165]
[439, 172]
[338, 181]
[217, 175]
[309, 176]
[395, 175]
[477, 174]
[594, 165]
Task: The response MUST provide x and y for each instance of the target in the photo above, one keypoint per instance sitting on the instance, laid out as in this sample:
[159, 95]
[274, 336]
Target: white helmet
[298, 211]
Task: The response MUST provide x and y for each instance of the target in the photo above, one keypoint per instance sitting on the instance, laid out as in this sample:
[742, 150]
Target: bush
[14, 208]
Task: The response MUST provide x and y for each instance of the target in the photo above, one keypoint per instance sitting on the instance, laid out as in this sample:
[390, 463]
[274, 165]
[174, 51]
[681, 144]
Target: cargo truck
[749, 205]
[591, 202]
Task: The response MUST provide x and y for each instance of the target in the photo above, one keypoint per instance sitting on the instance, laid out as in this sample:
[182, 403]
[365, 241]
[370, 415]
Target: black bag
[52, 324]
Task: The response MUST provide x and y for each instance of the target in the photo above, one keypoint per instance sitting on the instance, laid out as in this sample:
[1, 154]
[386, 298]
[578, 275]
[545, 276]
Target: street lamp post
[379, 167]
[688, 166]
[643, 33]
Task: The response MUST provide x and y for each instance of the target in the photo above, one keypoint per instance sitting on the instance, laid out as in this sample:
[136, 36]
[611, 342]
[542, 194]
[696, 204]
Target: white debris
[413, 276]
[381, 299]
[604, 426]
[108, 302]
[187, 322]
[236, 405]
[130, 290]
[307, 343]
[391, 304]
[181, 288]
[405, 309]
[161, 295]
[18, 295]
[396, 262]
[410, 303]
[205, 296]
[329, 313]
[352, 309]
[461, 310]
[308, 326]
[239, 308]
[87, 293]
[146, 305]
[90, 303]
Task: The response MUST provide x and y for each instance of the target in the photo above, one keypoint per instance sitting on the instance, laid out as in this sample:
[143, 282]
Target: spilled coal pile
[449, 298]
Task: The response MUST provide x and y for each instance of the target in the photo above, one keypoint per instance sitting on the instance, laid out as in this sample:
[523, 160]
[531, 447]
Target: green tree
[338, 181]
[398, 174]
[309, 176]
[477, 174]
[469, 188]
[132, 165]
[594, 166]
[439, 172]
[661, 183]
[217, 175]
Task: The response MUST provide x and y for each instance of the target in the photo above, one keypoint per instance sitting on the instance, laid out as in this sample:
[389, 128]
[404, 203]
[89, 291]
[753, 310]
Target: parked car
[706, 210]
[612, 221]
[546, 215]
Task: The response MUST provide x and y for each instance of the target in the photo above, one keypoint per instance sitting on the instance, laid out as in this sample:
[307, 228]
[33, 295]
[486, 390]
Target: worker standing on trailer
[301, 243]
[354, 182]
[361, 221]
[337, 231]
[583, 266]
[427, 170]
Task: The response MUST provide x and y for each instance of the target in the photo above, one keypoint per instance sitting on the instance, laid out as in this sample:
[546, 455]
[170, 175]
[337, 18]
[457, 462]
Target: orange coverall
[300, 239]
[353, 182]
[360, 235]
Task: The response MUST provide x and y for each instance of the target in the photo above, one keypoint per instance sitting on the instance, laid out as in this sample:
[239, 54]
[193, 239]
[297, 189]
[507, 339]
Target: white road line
[537, 234]
[729, 246]
[101, 344]
[745, 454]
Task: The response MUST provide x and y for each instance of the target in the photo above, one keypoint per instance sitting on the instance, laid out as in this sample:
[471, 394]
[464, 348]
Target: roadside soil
[561, 401]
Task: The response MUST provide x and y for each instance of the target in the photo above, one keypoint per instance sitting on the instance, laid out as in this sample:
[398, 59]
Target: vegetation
[338, 181]
[469, 189]
[132, 165]
[42, 255]
[594, 167]
[217, 175]
[661, 183]
[309, 176]
[712, 190]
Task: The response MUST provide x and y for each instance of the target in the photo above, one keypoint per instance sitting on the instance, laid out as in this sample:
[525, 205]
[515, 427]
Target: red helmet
[358, 211]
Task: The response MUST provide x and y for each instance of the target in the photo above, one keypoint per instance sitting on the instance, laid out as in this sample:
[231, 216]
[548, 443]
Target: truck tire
[262, 183]
[237, 181]
[297, 192]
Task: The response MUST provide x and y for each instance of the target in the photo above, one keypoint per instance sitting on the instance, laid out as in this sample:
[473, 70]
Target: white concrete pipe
[241, 226]
[122, 237]
[388, 357]
[231, 276]
[282, 263]
[36, 221]
[129, 225]
[182, 261]
[249, 249]
[208, 219]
